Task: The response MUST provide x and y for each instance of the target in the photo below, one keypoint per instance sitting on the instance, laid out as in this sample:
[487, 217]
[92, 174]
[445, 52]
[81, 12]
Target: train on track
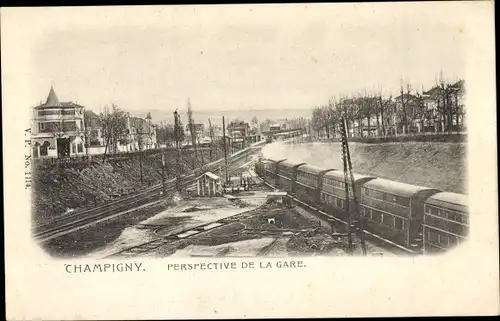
[420, 219]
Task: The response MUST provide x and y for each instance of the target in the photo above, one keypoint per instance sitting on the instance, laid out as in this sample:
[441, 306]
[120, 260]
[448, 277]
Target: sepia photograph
[320, 159]
[195, 136]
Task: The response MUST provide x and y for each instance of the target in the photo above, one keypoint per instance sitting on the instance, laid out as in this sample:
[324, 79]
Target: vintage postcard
[305, 160]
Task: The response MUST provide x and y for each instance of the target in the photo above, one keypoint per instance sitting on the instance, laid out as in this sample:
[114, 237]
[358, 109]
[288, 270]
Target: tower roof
[52, 99]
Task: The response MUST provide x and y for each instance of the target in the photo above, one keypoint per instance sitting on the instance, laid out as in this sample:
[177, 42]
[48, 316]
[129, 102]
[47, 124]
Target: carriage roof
[289, 163]
[339, 176]
[275, 160]
[396, 188]
[454, 201]
[311, 169]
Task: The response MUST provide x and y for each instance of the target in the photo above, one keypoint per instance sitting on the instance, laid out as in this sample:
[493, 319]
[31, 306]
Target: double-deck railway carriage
[287, 175]
[333, 198]
[271, 168]
[395, 210]
[309, 183]
[260, 167]
[446, 221]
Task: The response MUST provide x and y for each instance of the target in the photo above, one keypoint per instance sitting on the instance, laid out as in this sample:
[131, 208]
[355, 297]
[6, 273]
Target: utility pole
[225, 151]
[163, 171]
[346, 157]
[176, 135]
[346, 186]
[211, 131]
[140, 164]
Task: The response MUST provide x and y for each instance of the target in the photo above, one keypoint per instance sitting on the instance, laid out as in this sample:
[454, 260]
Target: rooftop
[53, 102]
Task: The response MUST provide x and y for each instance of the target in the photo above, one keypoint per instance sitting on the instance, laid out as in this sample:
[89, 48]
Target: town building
[445, 107]
[238, 129]
[57, 128]
[274, 127]
[238, 132]
[140, 134]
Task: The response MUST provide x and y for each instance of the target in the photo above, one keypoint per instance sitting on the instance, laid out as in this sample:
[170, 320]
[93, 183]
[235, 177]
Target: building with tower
[57, 128]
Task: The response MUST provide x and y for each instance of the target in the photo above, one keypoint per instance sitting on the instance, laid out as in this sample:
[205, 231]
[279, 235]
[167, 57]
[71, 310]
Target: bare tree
[383, 105]
[113, 124]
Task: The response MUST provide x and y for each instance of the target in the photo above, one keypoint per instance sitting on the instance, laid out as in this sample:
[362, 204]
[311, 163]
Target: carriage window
[427, 209]
[403, 201]
[394, 199]
[388, 220]
[362, 210]
[444, 239]
[398, 223]
[433, 236]
[370, 213]
[367, 191]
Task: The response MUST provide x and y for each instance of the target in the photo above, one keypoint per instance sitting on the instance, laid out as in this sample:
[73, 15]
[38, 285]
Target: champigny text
[103, 268]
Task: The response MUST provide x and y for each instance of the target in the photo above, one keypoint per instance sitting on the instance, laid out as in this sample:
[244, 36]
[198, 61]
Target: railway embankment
[440, 165]
[58, 187]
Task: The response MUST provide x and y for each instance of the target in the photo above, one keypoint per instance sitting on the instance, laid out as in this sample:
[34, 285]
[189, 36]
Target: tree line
[439, 109]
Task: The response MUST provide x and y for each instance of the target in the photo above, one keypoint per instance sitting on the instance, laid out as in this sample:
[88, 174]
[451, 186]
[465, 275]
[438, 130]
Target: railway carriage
[287, 175]
[271, 170]
[415, 217]
[309, 183]
[333, 196]
[260, 167]
[446, 221]
[394, 210]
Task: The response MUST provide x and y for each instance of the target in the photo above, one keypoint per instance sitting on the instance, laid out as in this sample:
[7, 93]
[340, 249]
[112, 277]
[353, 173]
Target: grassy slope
[430, 164]
[56, 190]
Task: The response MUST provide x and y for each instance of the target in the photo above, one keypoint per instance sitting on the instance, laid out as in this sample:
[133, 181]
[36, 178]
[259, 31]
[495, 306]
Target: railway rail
[184, 234]
[70, 222]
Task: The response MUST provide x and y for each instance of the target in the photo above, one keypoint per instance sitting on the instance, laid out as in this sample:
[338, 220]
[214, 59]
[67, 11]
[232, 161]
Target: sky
[239, 58]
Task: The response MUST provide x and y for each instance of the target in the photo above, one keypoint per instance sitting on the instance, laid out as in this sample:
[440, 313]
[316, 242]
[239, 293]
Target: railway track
[188, 233]
[388, 244]
[183, 235]
[72, 221]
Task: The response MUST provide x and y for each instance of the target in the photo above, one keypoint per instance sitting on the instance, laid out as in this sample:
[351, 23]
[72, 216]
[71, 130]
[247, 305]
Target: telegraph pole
[163, 171]
[360, 216]
[346, 186]
[348, 173]
[140, 164]
[225, 151]
[211, 138]
[176, 135]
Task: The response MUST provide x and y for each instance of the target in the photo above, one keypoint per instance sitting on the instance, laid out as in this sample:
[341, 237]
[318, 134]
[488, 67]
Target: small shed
[208, 184]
